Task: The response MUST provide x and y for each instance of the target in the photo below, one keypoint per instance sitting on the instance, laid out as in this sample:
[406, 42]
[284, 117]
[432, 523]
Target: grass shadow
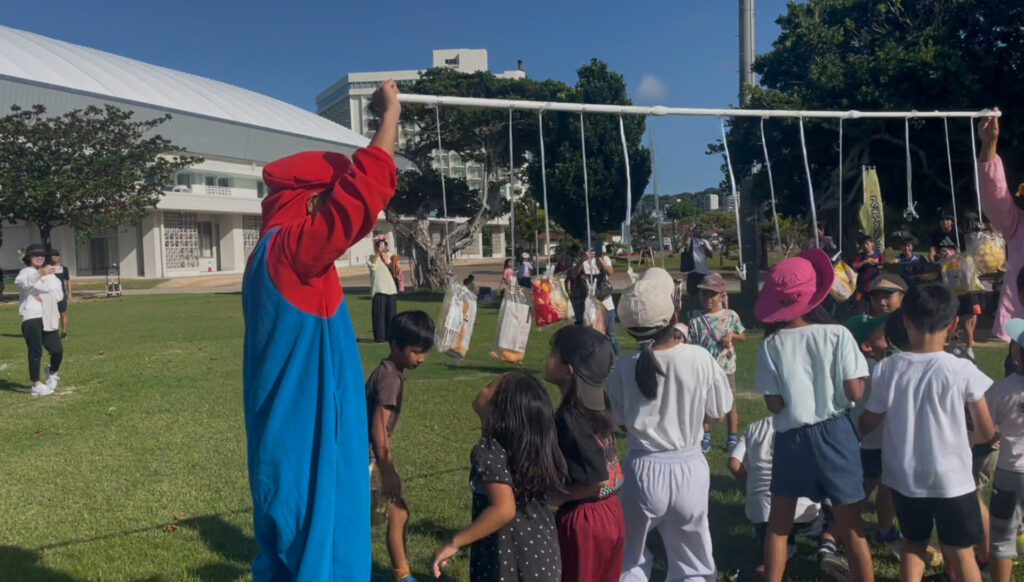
[9, 386]
[495, 369]
[11, 335]
[223, 538]
[21, 564]
[220, 572]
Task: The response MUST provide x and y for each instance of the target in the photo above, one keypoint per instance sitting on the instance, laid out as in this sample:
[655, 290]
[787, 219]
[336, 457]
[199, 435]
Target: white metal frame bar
[691, 111]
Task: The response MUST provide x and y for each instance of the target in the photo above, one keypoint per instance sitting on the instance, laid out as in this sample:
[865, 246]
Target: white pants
[668, 491]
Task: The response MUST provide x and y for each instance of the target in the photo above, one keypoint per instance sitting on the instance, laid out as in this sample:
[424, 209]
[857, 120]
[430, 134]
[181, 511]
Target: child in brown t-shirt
[412, 337]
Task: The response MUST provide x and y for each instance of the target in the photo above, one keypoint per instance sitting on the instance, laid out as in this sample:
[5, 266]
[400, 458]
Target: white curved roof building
[209, 219]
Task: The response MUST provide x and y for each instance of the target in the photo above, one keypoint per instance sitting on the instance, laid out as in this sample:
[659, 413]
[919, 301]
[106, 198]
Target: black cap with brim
[33, 250]
[592, 359]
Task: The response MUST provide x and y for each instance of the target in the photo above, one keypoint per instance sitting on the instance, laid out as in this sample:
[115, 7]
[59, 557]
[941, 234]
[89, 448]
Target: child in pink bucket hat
[810, 371]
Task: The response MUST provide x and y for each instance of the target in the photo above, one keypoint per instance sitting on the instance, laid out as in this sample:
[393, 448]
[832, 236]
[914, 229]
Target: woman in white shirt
[38, 294]
[591, 272]
[383, 271]
[663, 393]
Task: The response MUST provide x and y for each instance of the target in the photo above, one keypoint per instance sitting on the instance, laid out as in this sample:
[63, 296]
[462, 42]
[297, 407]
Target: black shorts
[692, 280]
[970, 304]
[871, 461]
[957, 519]
[62, 305]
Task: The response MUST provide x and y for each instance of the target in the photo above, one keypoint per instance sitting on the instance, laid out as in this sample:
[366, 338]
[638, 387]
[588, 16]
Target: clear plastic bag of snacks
[551, 301]
[988, 249]
[958, 273]
[513, 329]
[458, 315]
[845, 282]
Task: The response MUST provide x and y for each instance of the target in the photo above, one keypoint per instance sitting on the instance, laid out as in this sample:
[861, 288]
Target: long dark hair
[647, 367]
[521, 420]
[817, 315]
[599, 420]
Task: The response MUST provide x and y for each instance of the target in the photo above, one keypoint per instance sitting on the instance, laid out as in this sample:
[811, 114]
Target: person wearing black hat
[63, 274]
[39, 292]
[591, 526]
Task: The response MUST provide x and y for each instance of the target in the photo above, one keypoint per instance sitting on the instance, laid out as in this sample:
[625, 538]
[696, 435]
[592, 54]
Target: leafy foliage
[89, 169]
[883, 55]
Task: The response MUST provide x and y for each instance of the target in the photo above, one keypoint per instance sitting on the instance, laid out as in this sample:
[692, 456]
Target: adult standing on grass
[304, 395]
[1006, 214]
[694, 262]
[39, 292]
[383, 267]
[63, 274]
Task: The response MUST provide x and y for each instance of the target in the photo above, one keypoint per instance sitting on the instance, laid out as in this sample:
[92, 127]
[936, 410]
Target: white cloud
[651, 88]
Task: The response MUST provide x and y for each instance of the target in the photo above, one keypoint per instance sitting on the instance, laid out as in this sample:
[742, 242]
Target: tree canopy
[89, 169]
[883, 55]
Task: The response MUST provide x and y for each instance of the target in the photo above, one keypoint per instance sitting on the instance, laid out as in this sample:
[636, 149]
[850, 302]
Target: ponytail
[648, 369]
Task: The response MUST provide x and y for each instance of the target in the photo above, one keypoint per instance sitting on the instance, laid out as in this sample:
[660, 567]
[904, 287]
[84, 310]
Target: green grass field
[135, 470]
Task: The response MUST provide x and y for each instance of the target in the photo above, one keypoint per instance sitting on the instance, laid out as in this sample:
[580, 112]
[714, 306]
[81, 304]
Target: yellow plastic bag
[958, 273]
[845, 282]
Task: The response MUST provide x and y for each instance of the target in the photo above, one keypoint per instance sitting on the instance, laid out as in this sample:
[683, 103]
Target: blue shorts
[819, 461]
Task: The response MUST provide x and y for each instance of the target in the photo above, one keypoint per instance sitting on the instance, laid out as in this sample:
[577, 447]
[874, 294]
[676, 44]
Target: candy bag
[988, 250]
[958, 273]
[550, 301]
[458, 315]
[845, 282]
[513, 329]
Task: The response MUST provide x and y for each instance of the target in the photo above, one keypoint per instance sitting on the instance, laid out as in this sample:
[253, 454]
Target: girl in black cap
[39, 293]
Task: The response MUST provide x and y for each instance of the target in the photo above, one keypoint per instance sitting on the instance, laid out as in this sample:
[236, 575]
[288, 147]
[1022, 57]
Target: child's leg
[644, 496]
[733, 418]
[398, 517]
[961, 562]
[1007, 508]
[850, 528]
[780, 522]
[912, 560]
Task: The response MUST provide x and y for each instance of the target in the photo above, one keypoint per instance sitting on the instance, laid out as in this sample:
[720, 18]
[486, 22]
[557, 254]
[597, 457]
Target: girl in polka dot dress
[513, 466]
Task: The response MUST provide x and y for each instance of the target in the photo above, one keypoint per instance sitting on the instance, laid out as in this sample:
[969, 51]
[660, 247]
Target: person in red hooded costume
[305, 408]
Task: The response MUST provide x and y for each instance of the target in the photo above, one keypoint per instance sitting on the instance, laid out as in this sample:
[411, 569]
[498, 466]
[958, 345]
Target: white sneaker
[970, 353]
[52, 380]
[42, 390]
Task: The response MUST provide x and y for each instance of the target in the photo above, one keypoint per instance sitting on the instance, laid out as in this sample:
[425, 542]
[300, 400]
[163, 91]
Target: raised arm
[996, 199]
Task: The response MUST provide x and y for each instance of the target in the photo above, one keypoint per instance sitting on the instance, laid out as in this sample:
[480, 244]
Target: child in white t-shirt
[1006, 403]
[926, 454]
[751, 463]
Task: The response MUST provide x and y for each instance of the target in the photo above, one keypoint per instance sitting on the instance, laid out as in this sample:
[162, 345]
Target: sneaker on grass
[52, 379]
[42, 390]
[731, 443]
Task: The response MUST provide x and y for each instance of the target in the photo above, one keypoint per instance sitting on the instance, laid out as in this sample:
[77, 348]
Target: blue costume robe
[305, 408]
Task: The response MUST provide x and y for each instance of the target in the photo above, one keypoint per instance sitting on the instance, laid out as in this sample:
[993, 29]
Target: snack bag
[458, 315]
[514, 320]
[958, 273]
[988, 250]
[593, 314]
[845, 282]
[550, 301]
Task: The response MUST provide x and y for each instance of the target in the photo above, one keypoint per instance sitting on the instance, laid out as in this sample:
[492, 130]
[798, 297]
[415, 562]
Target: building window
[223, 182]
[181, 240]
[452, 62]
[184, 180]
[206, 242]
[261, 189]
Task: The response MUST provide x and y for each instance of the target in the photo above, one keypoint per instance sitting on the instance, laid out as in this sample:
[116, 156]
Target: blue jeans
[609, 325]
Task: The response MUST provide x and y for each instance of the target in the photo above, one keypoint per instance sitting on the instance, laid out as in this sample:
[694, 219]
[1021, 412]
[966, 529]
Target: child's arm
[500, 511]
[984, 429]
[869, 421]
[738, 470]
[574, 492]
[390, 482]
[854, 389]
[774, 402]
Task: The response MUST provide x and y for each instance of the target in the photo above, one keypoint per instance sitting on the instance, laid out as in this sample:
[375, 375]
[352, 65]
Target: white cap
[648, 303]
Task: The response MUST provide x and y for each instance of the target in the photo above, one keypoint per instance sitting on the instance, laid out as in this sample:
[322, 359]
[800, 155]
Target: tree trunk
[44, 234]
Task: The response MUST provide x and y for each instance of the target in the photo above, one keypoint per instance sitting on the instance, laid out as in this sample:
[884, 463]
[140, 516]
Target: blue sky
[687, 49]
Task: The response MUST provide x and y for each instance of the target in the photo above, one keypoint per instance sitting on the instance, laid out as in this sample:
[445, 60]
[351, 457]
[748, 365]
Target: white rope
[977, 184]
[586, 191]
[952, 185]
[771, 184]
[629, 183]
[810, 186]
[444, 193]
[691, 111]
[511, 190]
[657, 204]
[544, 186]
[911, 212]
[841, 201]
[741, 269]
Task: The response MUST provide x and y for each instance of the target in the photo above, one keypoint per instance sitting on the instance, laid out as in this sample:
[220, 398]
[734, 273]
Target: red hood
[293, 179]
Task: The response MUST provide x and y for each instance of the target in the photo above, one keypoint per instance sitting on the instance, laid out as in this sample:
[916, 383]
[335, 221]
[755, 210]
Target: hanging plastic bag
[958, 273]
[514, 319]
[551, 301]
[458, 315]
[988, 250]
[845, 282]
[593, 314]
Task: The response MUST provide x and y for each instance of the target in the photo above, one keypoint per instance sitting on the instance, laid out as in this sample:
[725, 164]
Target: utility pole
[748, 211]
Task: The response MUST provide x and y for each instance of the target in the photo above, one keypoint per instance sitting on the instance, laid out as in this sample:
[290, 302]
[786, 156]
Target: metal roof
[39, 60]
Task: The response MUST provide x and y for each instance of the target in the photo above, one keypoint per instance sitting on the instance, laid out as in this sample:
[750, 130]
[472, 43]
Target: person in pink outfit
[1002, 211]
